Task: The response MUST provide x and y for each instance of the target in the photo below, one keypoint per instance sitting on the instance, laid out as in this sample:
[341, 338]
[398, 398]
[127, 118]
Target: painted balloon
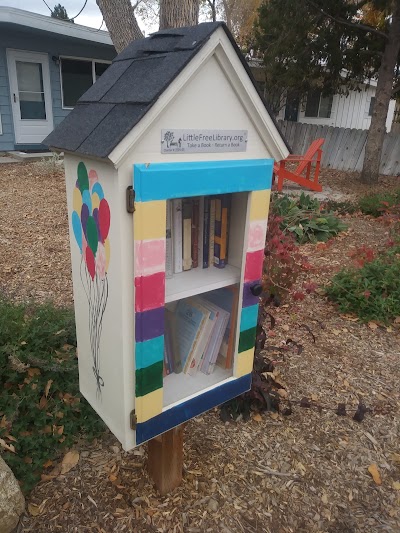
[83, 179]
[86, 199]
[92, 235]
[95, 201]
[77, 228]
[84, 218]
[101, 261]
[104, 219]
[92, 177]
[96, 218]
[107, 250]
[98, 189]
[90, 263]
[77, 200]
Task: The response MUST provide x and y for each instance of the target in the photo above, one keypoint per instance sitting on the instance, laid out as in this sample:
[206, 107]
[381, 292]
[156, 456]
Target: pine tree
[59, 12]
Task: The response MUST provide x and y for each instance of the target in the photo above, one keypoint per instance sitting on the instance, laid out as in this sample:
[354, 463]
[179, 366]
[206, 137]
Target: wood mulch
[303, 473]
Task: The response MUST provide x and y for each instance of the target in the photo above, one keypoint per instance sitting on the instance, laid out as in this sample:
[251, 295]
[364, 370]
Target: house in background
[46, 64]
[353, 110]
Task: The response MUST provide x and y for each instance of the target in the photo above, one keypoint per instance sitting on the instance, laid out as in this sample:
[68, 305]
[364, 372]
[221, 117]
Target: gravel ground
[303, 473]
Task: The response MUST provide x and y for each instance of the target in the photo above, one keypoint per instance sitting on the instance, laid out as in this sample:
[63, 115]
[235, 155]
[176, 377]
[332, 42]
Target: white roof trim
[231, 65]
[11, 15]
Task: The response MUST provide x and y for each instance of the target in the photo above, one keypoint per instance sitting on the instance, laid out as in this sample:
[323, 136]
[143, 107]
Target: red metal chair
[305, 164]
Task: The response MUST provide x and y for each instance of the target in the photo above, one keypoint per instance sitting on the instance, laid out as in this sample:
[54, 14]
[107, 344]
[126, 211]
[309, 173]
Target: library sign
[192, 141]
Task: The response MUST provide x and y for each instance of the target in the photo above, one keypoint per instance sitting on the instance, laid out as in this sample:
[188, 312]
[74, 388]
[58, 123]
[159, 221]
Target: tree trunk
[178, 13]
[377, 129]
[120, 21]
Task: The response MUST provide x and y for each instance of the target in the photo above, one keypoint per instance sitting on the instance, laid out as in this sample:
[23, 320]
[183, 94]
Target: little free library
[168, 163]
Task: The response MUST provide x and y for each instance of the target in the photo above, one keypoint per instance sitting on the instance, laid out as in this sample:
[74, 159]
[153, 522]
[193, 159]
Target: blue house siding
[54, 45]
[7, 138]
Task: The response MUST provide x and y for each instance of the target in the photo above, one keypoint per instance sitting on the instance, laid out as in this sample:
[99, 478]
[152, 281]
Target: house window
[371, 106]
[77, 76]
[318, 106]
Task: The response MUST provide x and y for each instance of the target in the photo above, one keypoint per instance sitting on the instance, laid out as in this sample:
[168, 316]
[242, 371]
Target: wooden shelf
[178, 387]
[199, 280]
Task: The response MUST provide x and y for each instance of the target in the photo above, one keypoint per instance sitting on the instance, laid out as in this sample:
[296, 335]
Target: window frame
[319, 107]
[91, 60]
[371, 106]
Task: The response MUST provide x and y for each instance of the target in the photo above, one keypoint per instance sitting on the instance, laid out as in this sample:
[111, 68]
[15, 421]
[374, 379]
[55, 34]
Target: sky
[90, 16]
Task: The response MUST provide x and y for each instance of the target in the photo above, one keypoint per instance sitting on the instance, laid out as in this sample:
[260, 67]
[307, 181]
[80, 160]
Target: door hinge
[133, 420]
[130, 199]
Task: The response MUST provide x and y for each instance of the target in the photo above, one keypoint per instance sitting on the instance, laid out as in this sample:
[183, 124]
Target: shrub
[41, 410]
[304, 217]
[372, 292]
[377, 204]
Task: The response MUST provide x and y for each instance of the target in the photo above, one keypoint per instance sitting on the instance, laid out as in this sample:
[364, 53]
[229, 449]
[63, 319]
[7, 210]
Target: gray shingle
[77, 126]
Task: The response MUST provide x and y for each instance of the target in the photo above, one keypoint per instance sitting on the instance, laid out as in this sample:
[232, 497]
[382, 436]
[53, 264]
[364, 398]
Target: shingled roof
[129, 87]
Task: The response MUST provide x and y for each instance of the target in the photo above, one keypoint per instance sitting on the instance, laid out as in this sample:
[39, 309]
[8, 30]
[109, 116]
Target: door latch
[133, 420]
[130, 199]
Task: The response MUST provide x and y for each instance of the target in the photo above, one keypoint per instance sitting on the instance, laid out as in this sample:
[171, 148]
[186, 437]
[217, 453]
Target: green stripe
[247, 339]
[149, 379]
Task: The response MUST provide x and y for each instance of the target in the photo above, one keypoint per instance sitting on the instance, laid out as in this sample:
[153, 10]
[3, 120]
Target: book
[177, 234]
[212, 231]
[171, 341]
[201, 230]
[169, 265]
[192, 366]
[227, 298]
[187, 233]
[220, 318]
[222, 206]
[206, 231]
[195, 232]
[190, 321]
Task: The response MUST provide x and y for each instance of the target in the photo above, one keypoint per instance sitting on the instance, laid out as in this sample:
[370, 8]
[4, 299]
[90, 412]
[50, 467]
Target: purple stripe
[149, 324]
[248, 298]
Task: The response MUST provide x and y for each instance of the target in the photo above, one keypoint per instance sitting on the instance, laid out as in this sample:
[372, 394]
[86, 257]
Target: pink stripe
[256, 238]
[253, 268]
[149, 292]
[149, 257]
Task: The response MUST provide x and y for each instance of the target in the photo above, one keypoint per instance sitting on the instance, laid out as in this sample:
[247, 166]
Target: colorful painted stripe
[149, 352]
[185, 411]
[161, 181]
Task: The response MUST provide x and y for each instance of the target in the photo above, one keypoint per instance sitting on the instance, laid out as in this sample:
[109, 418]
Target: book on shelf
[206, 231]
[169, 265]
[195, 232]
[228, 299]
[220, 252]
[194, 334]
[212, 231]
[177, 234]
[187, 212]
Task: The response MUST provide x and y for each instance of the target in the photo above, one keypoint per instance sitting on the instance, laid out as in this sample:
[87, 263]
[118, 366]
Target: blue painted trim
[161, 181]
[185, 411]
[248, 318]
[149, 352]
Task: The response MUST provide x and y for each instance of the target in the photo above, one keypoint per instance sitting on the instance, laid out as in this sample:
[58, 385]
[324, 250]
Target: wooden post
[165, 460]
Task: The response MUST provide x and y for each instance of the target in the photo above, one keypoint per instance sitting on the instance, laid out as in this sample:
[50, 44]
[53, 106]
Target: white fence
[343, 148]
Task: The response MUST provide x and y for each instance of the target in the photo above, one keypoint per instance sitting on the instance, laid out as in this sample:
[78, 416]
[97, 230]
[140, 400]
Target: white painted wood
[182, 387]
[199, 280]
[116, 357]
[29, 131]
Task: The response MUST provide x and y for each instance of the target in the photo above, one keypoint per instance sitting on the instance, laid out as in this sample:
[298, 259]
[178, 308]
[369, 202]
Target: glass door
[30, 96]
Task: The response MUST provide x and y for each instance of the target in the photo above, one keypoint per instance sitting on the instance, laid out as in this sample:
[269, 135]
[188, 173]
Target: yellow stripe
[149, 406]
[244, 364]
[149, 220]
[259, 206]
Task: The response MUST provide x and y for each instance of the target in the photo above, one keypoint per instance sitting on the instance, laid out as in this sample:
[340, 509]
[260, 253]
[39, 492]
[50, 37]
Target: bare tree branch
[356, 25]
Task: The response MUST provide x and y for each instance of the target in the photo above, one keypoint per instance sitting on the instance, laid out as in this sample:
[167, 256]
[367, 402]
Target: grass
[41, 409]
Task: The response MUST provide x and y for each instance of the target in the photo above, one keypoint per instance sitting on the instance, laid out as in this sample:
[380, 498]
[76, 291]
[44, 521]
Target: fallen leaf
[396, 485]
[324, 498]
[373, 325]
[285, 327]
[43, 402]
[314, 397]
[257, 417]
[33, 509]
[112, 478]
[274, 415]
[336, 332]
[301, 468]
[397, 320]
[47, 388]
[8, 447]
[350, 318]
[346, 383]
[33, 372]
[69, 461]
[373, 470]
[395, 457]
[282, 393]
[3, 422]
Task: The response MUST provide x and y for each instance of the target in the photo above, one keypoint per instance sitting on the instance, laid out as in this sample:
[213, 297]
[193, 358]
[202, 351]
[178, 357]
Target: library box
[168, 165]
